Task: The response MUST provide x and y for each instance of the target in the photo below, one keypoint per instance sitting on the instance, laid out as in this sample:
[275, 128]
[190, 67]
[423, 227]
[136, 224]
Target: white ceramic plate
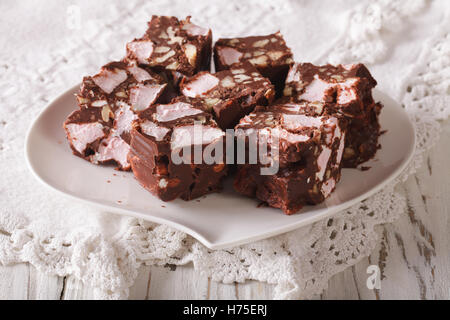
[217, 220]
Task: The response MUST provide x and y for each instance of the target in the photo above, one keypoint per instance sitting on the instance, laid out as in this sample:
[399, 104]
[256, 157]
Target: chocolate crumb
[262, 204]
[172, 267]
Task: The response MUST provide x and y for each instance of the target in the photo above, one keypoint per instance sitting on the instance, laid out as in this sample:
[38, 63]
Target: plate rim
[116, 209]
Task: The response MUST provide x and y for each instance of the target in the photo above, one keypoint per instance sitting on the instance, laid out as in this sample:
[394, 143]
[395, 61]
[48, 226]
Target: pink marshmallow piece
[200, 85]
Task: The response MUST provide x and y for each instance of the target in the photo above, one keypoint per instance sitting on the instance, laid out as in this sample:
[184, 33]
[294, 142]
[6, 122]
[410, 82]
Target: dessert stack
[181, 128]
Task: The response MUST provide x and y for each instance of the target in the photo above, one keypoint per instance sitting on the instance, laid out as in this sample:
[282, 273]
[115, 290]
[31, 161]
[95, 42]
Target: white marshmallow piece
[229, 55]
[347, 93]
[113, 148]
[316, 90]
[152, 129]
[80, 135]
[293, 74]
[123, 116]
[108, 80]
[195, 30]
[141, 49]
[340, 150]
[186, 136]
[295, 122]
[322, 162]
[143, 96]
[200, 85]
[139, 73]
[169, 112]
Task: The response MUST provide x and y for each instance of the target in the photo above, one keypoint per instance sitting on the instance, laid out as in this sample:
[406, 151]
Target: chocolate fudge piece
[229, 94]
[308, 150]
[268, 53]
[176, 47]
[108, 102]
[363, 142]
[346, 90]
[164, 132]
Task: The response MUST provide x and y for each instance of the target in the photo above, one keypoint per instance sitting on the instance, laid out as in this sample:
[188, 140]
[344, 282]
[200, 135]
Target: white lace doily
[405, 43]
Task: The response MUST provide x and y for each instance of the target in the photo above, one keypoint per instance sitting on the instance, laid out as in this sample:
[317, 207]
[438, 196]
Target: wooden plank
[74, 289]
[43, 286]
[253, 290]
[180, 282]
[414, 252]
[14, 282]
[349, 284]
[140, 288]
[218, 291]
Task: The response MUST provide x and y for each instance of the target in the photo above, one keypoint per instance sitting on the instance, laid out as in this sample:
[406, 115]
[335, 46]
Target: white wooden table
[414, 257]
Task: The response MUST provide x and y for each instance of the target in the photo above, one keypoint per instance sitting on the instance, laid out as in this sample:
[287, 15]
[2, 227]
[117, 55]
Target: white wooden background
[414, 257]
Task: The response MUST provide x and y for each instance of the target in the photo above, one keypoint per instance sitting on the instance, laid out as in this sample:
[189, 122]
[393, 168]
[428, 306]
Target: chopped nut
[258, 53]
[121, 94]
[348, 153]
[259, 61]
[162, 49]
[275, 55]
[202, 119]
[227, 82]
[247, 55]
[318, 106]
[173, 66]
[163, 35]
[191, 53]
[178, 40]
[211, 101]
[165, 57]
[269, 94]
[237, 71]
[289, 60]
[299, 85]
[82, 100]
[107, 113]
[241, 77]
[99, 103]
[287, 91]
[172, 37]
[337, 77]
[261, 43]
[328, 174]
[219, 167]
[232, 42]
[273, 40]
